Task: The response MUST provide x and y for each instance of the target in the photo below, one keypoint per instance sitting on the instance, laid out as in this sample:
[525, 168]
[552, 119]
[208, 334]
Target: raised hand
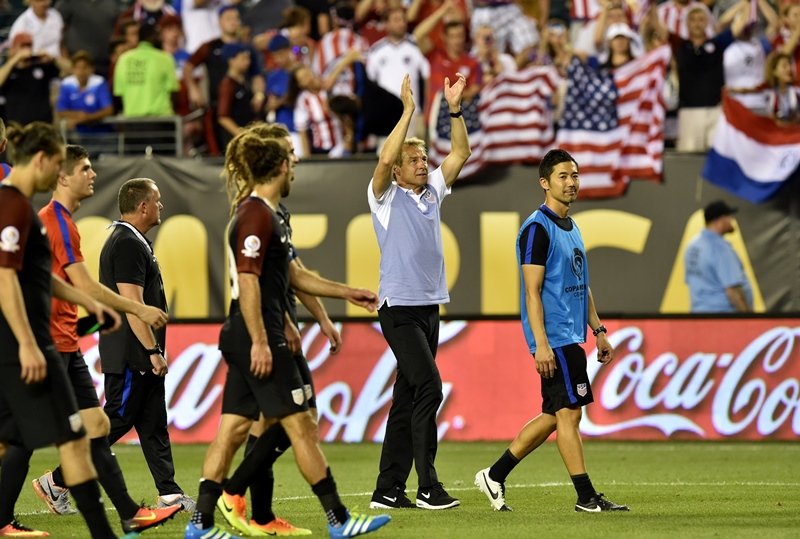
[454, 93]
[406, 95]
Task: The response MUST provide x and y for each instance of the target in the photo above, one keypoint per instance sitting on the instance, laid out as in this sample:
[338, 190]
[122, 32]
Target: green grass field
[673, 489]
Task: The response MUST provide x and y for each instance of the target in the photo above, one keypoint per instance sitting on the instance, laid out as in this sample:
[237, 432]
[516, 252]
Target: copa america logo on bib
[251, 246]
[582, 390]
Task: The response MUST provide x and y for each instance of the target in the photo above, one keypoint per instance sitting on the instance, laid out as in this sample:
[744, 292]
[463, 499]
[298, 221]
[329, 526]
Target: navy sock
[207, 497]
[583, 486]
[263, 452]
[500, 469]
[58, 478]
[325, 490]
[261, 496]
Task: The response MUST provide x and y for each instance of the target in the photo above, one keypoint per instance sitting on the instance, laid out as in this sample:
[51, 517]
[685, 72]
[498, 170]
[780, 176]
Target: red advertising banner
[671, 379]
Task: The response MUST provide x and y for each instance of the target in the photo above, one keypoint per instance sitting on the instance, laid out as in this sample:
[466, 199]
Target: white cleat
[494, 491]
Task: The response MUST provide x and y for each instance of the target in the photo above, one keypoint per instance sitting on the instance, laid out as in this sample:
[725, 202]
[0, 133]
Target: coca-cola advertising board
[701, 379]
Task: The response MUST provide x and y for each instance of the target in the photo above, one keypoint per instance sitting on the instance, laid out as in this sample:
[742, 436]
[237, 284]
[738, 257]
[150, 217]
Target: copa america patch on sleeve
[582, 390]
[252, 244]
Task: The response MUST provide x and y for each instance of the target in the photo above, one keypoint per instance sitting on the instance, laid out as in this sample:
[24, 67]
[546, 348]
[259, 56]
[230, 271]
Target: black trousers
[137, 401]
[411, 433]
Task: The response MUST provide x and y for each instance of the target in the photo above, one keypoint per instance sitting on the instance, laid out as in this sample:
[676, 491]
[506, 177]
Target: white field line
[110, 507]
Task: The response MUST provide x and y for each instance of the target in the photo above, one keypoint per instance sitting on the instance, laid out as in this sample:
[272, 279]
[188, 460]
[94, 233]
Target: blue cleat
[193, 532]
[358, 524]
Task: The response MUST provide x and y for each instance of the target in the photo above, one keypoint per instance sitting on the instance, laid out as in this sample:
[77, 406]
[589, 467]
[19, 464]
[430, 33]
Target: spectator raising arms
[782, 96]
[788, 39]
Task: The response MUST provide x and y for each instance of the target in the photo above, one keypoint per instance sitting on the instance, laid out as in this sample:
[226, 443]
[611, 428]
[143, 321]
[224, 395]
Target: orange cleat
[277, 527]
[146, 518]
[15, 529]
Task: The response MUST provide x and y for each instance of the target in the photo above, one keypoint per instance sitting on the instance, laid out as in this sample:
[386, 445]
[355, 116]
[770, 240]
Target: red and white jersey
[330, 49]
[673, 17]
[311, 113]
[584, 10]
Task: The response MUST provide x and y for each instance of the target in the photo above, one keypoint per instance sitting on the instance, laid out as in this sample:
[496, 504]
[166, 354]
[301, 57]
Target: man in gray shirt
[405, 200]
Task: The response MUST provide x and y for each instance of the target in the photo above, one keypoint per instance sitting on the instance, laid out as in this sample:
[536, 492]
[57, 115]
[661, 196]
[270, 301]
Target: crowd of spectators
[331, 69]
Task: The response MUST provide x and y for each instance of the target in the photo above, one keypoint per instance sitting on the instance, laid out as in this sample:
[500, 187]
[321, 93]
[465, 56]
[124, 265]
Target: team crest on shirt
[582, 389]
[75, 422]
[251, 246]
[428, 196]
[9, 239]
[577, 263]
[298, 396]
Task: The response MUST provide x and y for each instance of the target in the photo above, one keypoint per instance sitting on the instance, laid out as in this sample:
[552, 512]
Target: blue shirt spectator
[84, 97]
[715, 275]
[277, 81]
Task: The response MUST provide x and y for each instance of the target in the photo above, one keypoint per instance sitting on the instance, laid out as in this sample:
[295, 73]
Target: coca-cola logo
[727, 392]
[346, 412]
[708, 379]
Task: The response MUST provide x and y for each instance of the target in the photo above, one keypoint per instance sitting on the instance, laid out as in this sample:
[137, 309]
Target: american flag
[439, 129]
[511, 123]
[613, 123]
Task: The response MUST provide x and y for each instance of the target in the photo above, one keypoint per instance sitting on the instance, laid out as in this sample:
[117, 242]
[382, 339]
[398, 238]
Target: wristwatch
[156, 350]
[600, 329]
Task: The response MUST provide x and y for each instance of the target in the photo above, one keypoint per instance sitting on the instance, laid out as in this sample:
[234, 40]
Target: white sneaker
[187, 504]
[56, 498]
[495, 491]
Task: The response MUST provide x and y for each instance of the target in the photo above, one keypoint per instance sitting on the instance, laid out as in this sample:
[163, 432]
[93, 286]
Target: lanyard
[135, 232]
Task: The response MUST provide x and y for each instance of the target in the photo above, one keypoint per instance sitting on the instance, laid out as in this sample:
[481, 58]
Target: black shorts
[569, 387]
[42, 414]
[280, 394]
[81, 380]
[308, 383]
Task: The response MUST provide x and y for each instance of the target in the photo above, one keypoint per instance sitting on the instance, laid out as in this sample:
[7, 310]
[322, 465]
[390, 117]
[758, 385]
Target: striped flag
[512, 122]
[330, 50]
[751, 156]
[613, 123]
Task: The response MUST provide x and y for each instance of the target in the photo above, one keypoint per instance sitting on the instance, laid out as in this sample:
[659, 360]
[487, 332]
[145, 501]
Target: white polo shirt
[46, 33]
[389, 61]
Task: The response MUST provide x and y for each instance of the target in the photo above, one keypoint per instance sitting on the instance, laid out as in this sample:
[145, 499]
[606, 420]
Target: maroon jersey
[257, 244]
[24, 248]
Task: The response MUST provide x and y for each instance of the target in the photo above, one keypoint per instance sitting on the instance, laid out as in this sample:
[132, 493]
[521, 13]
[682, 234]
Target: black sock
[325, 490]
[261, 496]
[264, 451]
[110, 477]
[58, 478]
[207, 497]
[87, 497]
[13, 471]
[263, 485]
[500, 469]
[583, 486]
